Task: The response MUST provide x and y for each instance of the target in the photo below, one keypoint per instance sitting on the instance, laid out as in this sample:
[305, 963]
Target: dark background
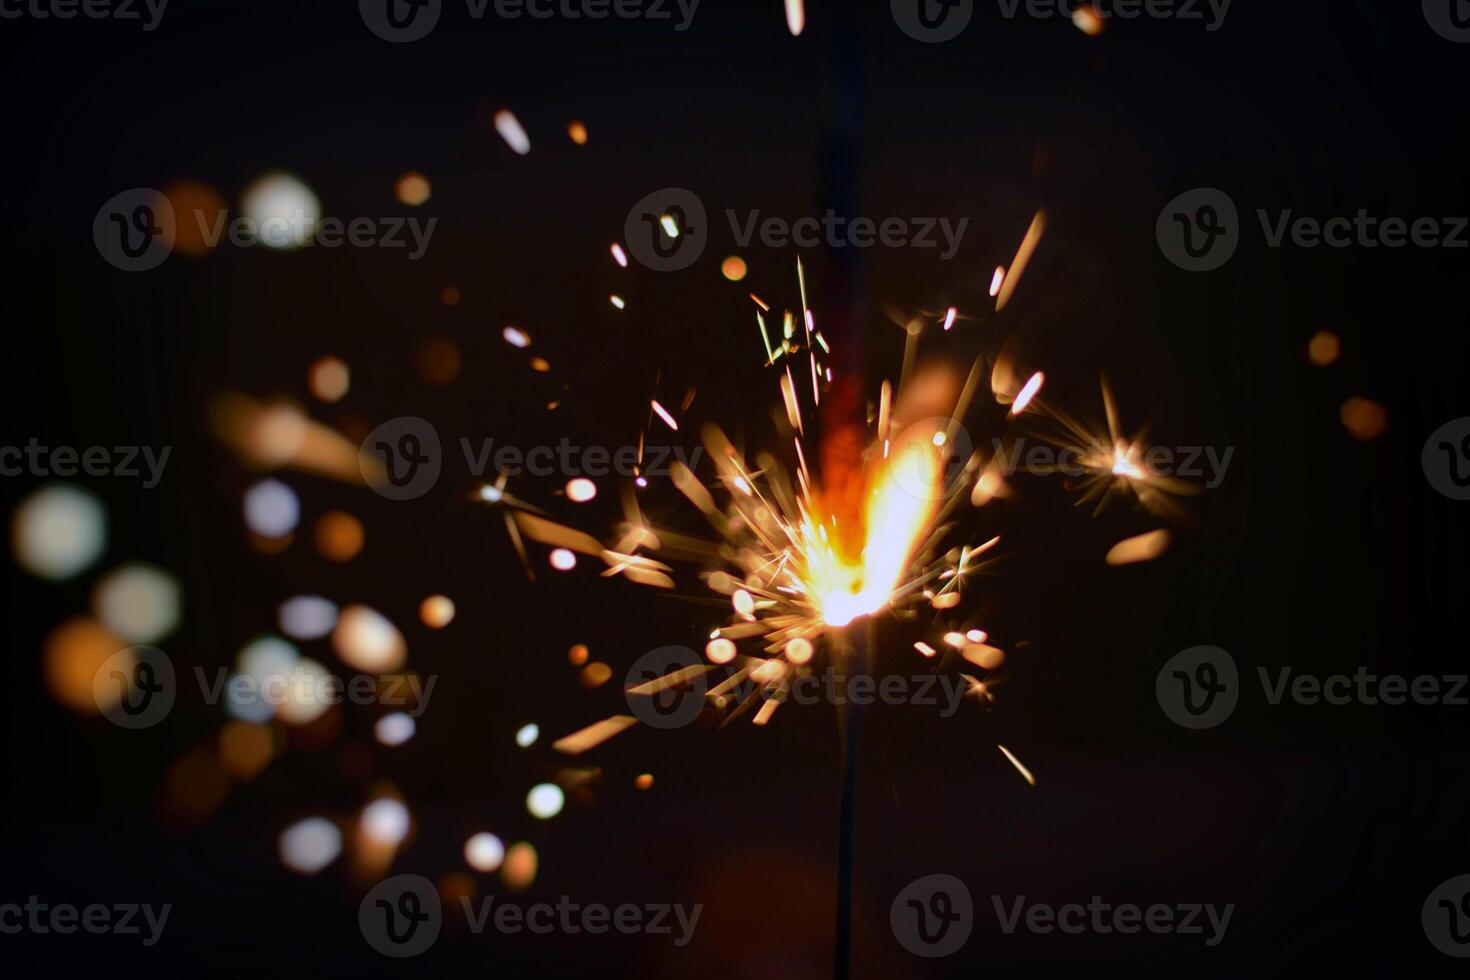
[1325, 826]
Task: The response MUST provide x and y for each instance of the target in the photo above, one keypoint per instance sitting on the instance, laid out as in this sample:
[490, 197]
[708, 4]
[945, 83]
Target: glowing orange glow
[901, 497]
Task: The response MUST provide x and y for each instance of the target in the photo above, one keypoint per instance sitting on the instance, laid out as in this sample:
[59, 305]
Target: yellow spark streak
[673, 679]
[1023, 255]
[765, 337]
[788, 395]
[1142, 547]
[663, 413]
[593, 735]
[885, 403]
[1025, 773]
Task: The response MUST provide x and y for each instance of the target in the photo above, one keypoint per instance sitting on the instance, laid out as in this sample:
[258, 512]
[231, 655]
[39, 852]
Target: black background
[1325, 826]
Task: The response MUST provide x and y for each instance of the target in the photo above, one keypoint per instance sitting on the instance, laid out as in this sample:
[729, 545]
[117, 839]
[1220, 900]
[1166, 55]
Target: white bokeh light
[271, 509]
[284, 211]
[58, 531]
[385, 821]
[138, 602]
[311, 845]
[545, 800]
[394, 729]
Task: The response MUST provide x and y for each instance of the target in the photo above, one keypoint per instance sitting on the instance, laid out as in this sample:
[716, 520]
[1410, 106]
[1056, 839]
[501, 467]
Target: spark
[1023, 256]
[619, 256]
[1141, 547]
[1025, 773]
[510, 130]
[1028, 392]
[795, 17]
[663, 413]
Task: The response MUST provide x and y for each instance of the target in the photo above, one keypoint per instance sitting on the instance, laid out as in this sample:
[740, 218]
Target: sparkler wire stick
[843, 292]
[856, 643]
